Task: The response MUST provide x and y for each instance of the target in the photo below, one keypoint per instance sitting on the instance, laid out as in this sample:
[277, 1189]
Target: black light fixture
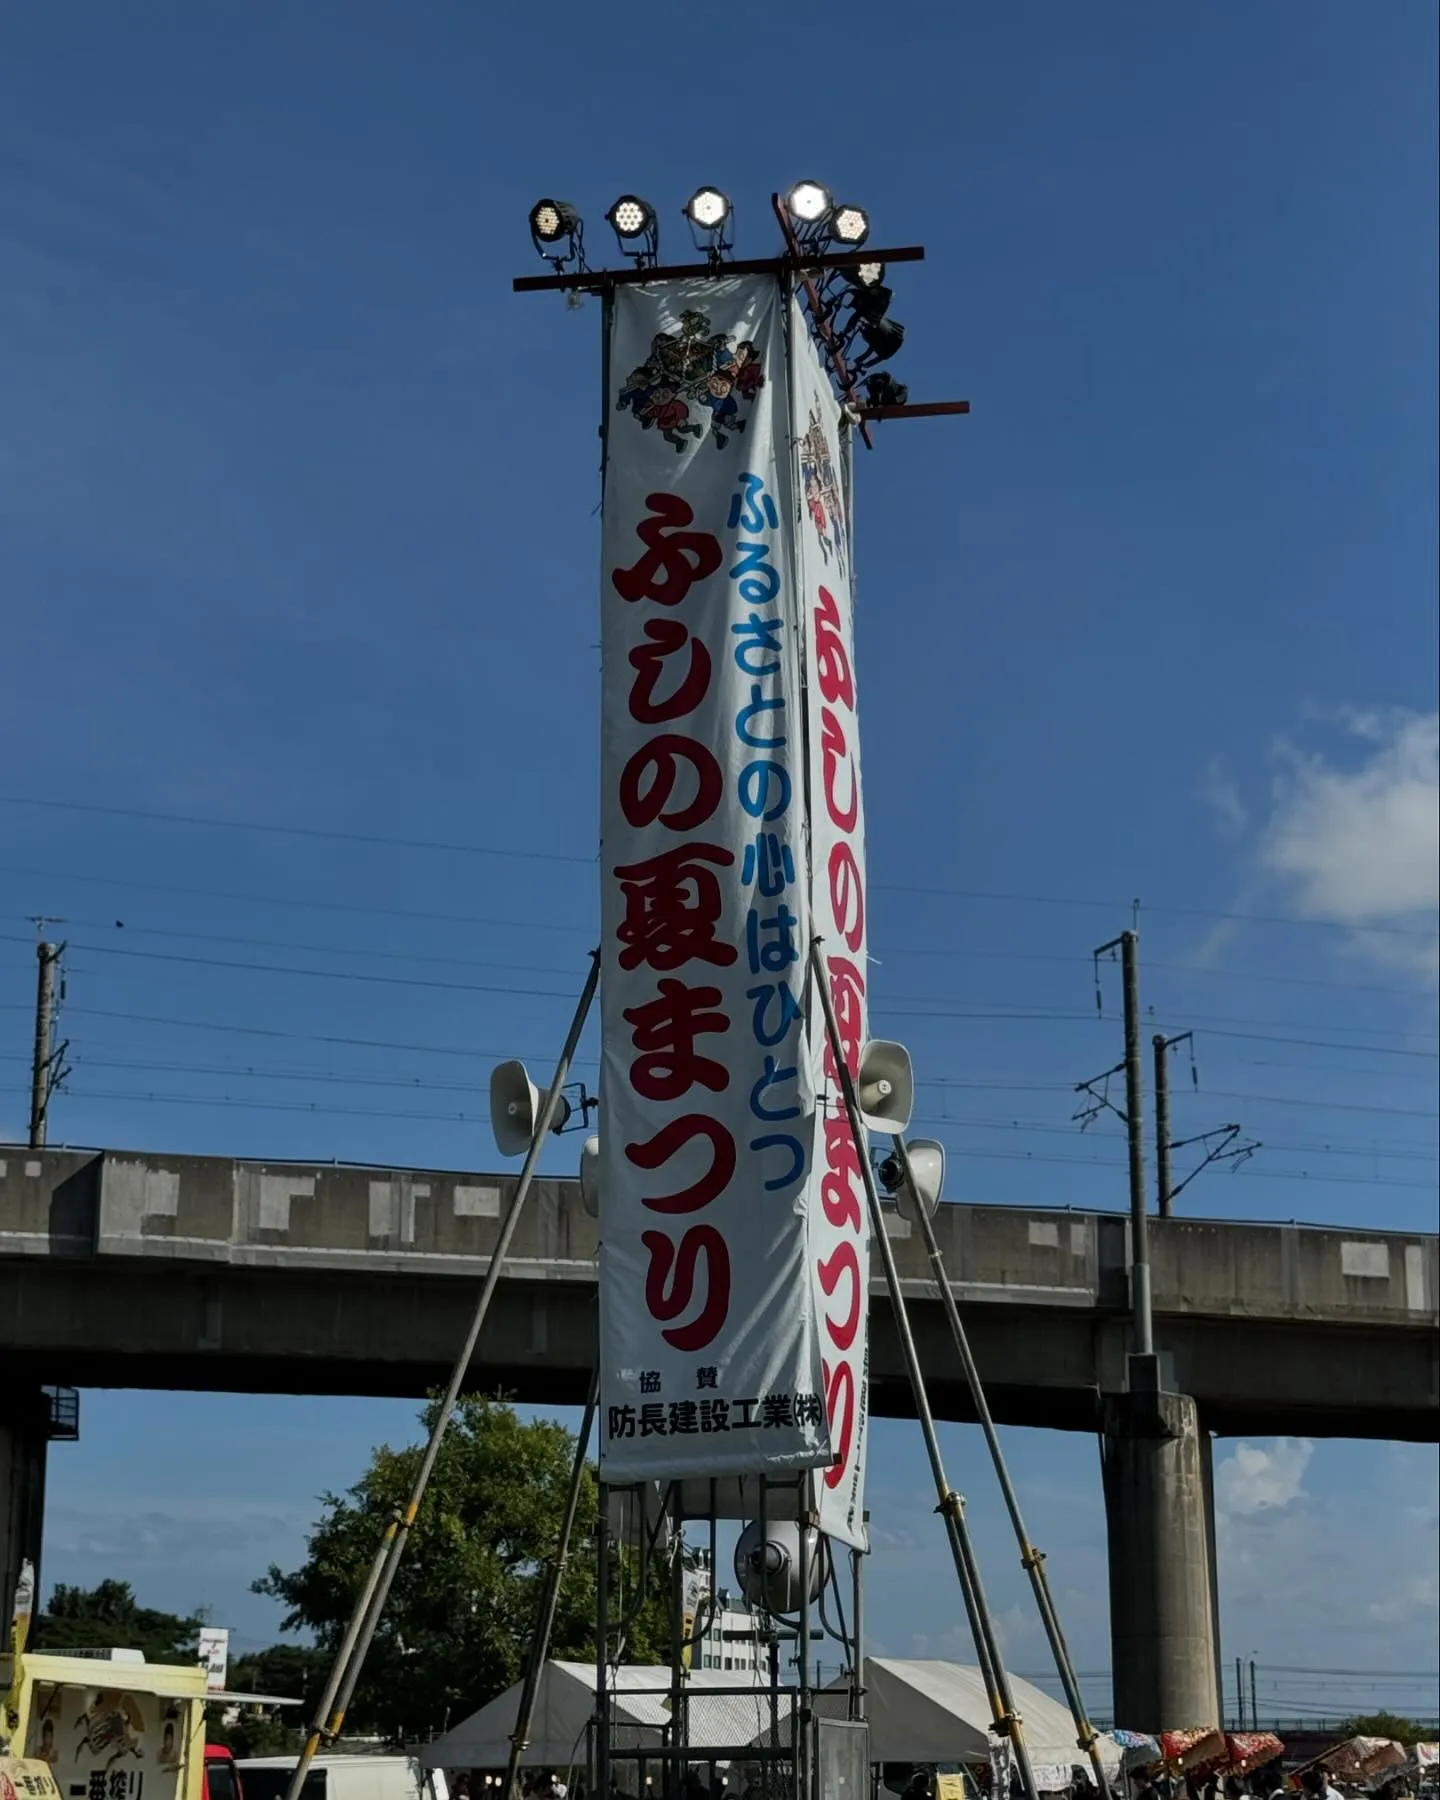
[865, 274]
[871, 303]
[712, 217]
[884, 390]
[849, 225]
[557, 232]
[636, 228]
[882, 338]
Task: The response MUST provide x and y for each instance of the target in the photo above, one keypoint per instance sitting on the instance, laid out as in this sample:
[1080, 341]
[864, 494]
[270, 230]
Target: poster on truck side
[107, 1743]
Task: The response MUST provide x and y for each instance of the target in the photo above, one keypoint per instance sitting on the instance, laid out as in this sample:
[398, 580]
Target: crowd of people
[1267, 1783]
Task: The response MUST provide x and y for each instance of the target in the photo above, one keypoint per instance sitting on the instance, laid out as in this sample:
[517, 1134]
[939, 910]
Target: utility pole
[1128, 944]
[1254, 1709]
[1135, 1132]
[46, 1073]
[1163, 1183]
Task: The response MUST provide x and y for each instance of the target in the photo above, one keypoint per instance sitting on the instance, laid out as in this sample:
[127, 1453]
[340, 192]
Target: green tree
[1384, 1725]
[108, 1617]
[463, 1606]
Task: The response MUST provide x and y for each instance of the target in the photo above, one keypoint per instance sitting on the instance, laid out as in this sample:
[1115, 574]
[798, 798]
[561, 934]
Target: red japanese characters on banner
[837, 1225]
[711, 1360]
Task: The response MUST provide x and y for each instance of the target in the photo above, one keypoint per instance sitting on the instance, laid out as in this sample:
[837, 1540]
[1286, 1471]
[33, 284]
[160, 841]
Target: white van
[342, 1778]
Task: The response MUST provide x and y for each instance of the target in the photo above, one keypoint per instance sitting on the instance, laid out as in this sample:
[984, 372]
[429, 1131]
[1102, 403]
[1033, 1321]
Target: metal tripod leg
[550, 1597]
[1031, 1559]
[951, 1506]
[340, 1686]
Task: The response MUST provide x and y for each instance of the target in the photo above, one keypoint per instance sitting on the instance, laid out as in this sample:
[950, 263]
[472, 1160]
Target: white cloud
[1253, 1479]
[1220, 792]
[1351, 1560]
[1413, 1596]
[1359, 845]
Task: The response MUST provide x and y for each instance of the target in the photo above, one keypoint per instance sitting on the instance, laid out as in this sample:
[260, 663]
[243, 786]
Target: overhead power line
[430, 1084]
[388, 841]
[366, 909]
[1191, 912]
[257, 968]
[904, 1006]
[231, 1102]
[302, 831]
[364, 951]
[880, 954]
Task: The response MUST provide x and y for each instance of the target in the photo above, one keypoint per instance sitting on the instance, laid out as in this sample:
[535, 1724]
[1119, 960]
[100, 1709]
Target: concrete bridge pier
[24, 1445]
[1164, 1650]
[30, 1418]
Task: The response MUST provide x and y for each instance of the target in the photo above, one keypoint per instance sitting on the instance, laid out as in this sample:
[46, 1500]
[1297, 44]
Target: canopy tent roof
[933, 1712]
[918, 1712]
[565, 1703]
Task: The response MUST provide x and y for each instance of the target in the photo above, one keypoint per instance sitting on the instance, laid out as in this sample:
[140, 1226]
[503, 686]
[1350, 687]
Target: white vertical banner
[214, 1653]
[838, 1225]
[710, 1354]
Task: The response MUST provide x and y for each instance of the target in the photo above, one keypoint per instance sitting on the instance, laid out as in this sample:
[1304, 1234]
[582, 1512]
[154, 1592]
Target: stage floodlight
[557, 232]
[883, 337]
[808, 203]
[884, 390]
[849, 225]
[636, 228]
[551, 220]
[708, 209]
[631, 217]
[866, 274]
[871, 303]
[711, 218]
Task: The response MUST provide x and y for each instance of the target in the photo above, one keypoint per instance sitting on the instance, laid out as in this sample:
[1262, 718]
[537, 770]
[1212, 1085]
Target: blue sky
[297, 528]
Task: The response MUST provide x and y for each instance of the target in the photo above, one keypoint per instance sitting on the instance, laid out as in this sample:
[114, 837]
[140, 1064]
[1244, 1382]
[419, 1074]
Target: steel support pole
[857, 1609]
[804, 1706]
[47, 956]
[550, 1596]
[1164, 1181]
[679, 1725]
[951, 1506]
[1031, 1559]
[371, 1604]
[602, 1644]
[1144, 1336]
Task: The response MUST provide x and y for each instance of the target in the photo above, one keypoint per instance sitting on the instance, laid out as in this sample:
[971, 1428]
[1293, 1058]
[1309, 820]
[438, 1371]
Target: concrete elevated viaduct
[121, 1269]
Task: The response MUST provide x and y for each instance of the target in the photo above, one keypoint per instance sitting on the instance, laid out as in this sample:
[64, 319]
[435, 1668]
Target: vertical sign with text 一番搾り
[837, 1221]
[710, 1353]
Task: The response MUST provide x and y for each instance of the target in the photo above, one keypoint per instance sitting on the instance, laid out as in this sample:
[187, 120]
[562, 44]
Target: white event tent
[565, 1704]
[919, 1712]
[938, 1712]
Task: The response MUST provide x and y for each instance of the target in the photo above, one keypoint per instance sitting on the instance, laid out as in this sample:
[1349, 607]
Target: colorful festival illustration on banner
[693, 366]
[820, 485]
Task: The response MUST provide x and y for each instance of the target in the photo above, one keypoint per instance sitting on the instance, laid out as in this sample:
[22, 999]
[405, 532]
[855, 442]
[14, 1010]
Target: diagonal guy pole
[951, 1506]
[330, 1709]
[550, 1595]
[1031, 1559]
